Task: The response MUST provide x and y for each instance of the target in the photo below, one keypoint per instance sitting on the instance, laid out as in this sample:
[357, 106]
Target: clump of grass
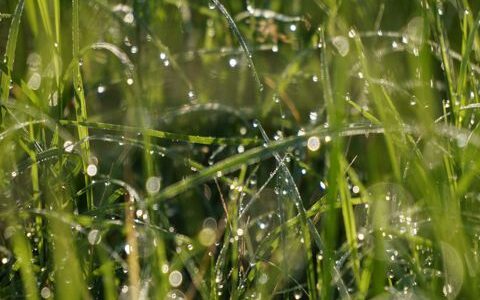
[239, 149]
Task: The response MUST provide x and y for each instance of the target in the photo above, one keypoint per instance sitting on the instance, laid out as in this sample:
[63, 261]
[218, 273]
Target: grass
[239, 149]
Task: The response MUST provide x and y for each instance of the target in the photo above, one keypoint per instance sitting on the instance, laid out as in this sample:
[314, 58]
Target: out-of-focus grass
[239, 149]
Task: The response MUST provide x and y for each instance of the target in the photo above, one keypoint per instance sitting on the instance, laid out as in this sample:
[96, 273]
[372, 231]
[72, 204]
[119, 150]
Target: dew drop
[241, 149]
[124, 289]
[447, 289]
[100, 89]
[175, 295]
[352, 33]
[313, 143]
[129, 18]
[153, 185]
[68, 146]
[207, 236]
[53, 99]
[45, 293]
[232, 62]
[94, 237]
[191, 95]
[341, 44]
[175, 278]
[360, 236]
[92, 170]
[35, 81]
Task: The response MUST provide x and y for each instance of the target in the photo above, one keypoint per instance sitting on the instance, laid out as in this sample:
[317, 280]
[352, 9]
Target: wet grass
[239, 149]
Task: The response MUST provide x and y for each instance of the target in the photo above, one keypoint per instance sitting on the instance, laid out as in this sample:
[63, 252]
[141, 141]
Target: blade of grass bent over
[10, 54]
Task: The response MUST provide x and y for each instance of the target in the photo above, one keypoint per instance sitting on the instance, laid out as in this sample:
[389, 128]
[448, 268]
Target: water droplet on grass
[153, 185]
[34, 61]
[241, 149]
[124, 289]
[94, 237]
[129, 18]
[207, 236]
[175, 278]
[68, 146]
[53, 99]
[341, 44]
[191, 95]
[127, 249]
[175, 295]
[313, 143]
[35, 81]
[232, 62]
[355, 189]
[360, 236]
[45, 293]
[447, 290]
[92, 170]
[322, 185]
[352, 33]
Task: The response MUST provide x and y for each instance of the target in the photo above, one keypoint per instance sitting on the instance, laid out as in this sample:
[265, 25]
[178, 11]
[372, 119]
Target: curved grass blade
[10, 55]
[254, 155]
[163, 134]
[241, 40]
